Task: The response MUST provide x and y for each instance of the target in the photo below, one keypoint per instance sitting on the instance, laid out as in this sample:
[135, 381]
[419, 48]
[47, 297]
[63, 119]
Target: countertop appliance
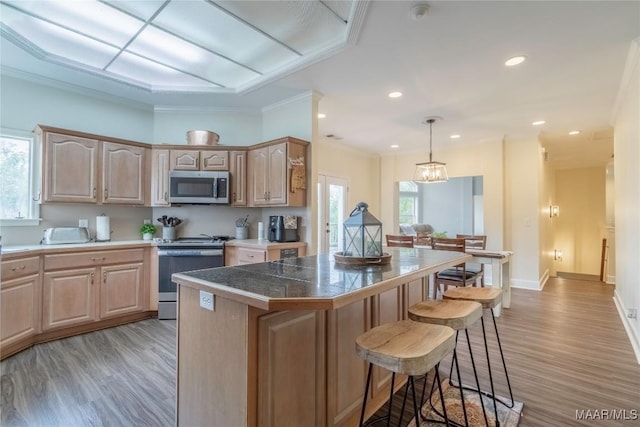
[199, 187]
[65, 235]
[283, 228]
[184, 254]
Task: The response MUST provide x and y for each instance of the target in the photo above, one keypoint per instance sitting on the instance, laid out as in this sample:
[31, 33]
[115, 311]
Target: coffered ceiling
[447, 61]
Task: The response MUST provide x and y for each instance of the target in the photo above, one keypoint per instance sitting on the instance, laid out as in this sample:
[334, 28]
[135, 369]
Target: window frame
[416, 195]
[35, 175]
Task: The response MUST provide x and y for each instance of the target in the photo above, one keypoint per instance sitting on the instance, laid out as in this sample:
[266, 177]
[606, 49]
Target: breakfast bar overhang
[278, 348]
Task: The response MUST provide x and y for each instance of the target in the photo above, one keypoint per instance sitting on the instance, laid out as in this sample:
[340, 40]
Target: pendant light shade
[430, 171]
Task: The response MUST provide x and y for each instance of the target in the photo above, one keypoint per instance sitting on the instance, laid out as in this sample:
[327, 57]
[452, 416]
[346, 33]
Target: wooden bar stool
[489, 298]
[408, 348]
[458, 315]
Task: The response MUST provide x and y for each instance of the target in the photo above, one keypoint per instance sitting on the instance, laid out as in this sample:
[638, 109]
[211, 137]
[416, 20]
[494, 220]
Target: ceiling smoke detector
[419, 11]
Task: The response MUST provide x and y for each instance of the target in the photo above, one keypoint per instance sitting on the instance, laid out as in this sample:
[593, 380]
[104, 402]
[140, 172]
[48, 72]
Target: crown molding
[309, 94]
[207, 109]
[356, 21]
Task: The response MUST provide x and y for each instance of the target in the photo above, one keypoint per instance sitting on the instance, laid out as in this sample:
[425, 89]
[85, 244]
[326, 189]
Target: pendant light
[430, 171]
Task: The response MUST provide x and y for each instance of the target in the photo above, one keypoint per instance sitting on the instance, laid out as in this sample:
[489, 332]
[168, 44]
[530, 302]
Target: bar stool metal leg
[366, 394]
[504, 365]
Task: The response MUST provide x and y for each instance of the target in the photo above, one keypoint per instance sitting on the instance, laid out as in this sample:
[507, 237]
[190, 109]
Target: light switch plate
[83, 223]
[207, 300]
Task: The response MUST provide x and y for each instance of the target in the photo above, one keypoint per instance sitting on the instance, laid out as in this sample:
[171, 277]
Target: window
[408, 203]
[19, 174]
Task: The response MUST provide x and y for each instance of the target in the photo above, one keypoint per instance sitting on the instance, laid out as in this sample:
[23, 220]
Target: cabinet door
[123, 173]
[19, 309]
[70, 169]
[258, 165]
[214, 160]
[68, 298]
[238, 172]
[160, 178]
[121, 289]
[277, 175]
[185, 160]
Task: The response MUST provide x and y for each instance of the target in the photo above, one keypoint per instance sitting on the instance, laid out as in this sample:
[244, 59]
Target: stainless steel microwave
[199, 187]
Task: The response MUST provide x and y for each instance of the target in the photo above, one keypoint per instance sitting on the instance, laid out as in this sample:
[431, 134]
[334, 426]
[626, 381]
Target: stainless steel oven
[185, 254]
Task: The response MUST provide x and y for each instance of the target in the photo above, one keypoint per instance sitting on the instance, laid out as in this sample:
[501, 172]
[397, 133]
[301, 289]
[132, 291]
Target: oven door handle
[190, 252]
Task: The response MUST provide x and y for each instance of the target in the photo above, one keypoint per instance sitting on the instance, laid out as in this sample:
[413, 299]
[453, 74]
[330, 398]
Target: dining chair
[399, 240]
[475, 241]
[456, 276]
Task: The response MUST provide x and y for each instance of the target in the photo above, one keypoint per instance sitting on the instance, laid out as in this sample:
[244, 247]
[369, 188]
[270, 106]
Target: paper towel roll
[260, 231]
[103, 229]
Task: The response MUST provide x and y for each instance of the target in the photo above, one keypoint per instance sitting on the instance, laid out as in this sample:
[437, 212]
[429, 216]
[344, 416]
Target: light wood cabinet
[261, 251]
[160, 177]
[270, 182]
[80, 169]
[19, 301]
[89, 286]
[69, 298]
[70, 169]
[188, 160]
[123, 174]
[238, 173]
[121, 290]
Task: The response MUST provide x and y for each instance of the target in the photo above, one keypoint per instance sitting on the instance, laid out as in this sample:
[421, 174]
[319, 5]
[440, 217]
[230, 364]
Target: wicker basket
[202, 137]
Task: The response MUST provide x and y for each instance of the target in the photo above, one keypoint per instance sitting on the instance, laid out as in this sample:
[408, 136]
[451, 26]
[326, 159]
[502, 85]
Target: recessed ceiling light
[538, 122]
[394, 146]
[395, 94]
[574, 132]
[515, 61]
[321, 115]
[454, 136]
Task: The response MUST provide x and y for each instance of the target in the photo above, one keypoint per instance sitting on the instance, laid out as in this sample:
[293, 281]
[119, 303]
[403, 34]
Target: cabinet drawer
[20, 267]
[72, 260]
[248, 256]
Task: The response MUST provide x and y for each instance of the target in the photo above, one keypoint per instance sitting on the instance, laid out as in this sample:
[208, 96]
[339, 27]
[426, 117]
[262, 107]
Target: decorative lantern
[362, 236]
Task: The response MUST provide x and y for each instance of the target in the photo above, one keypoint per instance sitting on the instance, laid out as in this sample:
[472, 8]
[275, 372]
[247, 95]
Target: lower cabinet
[19, 309]
[262, 252]
[91, 286]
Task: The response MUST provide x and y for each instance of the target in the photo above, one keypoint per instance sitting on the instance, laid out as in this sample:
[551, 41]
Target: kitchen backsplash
[125, 221]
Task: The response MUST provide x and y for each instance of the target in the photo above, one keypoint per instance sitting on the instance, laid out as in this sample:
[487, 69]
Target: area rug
[509, 417]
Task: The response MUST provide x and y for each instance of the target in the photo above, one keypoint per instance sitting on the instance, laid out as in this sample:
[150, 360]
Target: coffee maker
[283, 228]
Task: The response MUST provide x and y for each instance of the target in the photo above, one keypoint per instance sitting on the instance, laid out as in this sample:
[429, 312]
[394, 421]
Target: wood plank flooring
[566, 351]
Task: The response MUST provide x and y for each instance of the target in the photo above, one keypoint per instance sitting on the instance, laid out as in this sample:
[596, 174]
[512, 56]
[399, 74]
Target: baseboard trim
[532, 285]
[544, 279]
[635, 341]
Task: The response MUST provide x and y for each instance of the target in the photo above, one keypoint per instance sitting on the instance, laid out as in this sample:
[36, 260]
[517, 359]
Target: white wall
[24, 104]
[626, 142]
[448, 206]
[525, 215]
[236, 128]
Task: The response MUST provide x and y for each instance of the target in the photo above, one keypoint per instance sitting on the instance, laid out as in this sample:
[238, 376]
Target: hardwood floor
[566, 351]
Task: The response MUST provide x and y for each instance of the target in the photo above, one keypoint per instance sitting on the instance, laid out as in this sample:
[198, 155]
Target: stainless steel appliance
[199, 187]
[65, 235]
[184, 254]
[283, 228]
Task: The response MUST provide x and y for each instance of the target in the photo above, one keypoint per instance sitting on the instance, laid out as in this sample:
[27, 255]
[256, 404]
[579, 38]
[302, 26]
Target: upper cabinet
[123, 174]
[238, 173]
[194, 160]
[160, 178]
[80, 169]
[70, 169]
[277, 173]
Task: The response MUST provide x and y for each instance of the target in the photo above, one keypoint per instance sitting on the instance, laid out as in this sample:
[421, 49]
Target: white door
[332, 203]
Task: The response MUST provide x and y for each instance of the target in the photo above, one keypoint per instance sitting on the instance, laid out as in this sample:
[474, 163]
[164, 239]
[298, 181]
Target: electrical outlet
[207, 300]
[633, 313]
[83, 223]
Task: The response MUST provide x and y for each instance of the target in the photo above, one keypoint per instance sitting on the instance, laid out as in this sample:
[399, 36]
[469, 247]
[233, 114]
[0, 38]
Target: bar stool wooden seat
[404, 347]
[458, 315]
[488, 298]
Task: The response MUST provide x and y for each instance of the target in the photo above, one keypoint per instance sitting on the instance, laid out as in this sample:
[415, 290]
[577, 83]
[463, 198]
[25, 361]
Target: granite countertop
[316, 282]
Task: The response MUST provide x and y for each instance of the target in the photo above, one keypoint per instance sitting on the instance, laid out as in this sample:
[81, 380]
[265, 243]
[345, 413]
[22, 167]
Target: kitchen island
[273, 344]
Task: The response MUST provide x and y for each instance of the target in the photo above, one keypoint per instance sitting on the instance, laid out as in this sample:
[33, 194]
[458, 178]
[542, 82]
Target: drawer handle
[22, 267]
[106, 193]
[98, 259]
[166, 197]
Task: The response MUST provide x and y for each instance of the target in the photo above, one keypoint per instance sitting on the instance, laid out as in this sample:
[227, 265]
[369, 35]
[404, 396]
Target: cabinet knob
[22, 267]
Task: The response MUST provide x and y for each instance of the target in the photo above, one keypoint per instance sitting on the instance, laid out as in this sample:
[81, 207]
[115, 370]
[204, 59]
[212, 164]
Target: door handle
[104, 277]
[166, 197]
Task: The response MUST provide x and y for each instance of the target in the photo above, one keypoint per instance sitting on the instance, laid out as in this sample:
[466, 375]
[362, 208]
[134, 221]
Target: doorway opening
[332, 202]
